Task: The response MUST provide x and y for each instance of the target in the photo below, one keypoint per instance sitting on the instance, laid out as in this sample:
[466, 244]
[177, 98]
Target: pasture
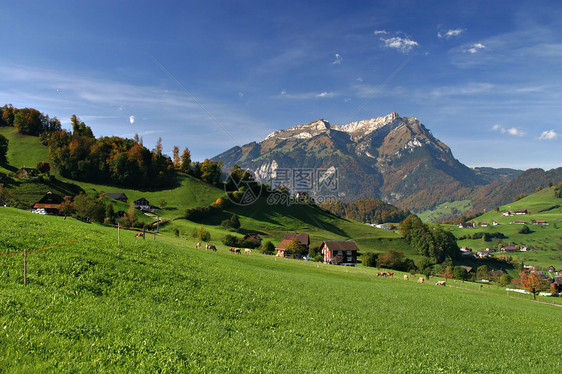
[163, 306]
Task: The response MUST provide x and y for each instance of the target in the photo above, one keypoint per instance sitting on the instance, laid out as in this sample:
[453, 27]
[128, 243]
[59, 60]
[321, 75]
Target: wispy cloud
[509, 131]
[466, 89]
[380, 32]
[549, 135]
[338, 59]
[449, 33]
[306, 95]
[402, 44]
[474, 48]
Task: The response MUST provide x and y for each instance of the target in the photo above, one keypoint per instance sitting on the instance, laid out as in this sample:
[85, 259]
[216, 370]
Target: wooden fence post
[24, 266]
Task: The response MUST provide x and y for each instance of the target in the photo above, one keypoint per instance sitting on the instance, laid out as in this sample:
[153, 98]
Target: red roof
[283, 244]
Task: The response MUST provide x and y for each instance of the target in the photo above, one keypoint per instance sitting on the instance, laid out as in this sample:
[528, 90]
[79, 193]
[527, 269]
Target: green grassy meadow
[159, 305]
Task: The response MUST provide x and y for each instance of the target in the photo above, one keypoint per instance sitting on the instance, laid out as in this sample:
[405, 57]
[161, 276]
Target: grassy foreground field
[162, 306]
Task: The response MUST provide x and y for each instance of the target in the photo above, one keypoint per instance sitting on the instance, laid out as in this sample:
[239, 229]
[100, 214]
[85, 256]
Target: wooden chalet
[510, 248]
[340, 252]
[520, 211]
[142, 204]
[558, 284]
[51, 203]
[117, 196]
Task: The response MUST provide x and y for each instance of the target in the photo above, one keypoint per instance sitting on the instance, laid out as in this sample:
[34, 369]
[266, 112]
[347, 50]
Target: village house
[519, 222]
[520, 211]
[303, 239]
[27, 172]
[538, 222]
[466, 225]
[142, 204]
[484, 224]
[51, 203]
[509, 248]
[507, 214]
[117, 196]
[340, 252]
[557, 284]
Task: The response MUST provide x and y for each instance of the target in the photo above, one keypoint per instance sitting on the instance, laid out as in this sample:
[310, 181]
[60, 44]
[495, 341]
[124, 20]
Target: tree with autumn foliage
[176, 156]
[185, 160]
[532, 282]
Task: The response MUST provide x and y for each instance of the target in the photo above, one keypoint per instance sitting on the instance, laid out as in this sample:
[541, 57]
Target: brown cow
[235, 250]
[406, 277]
[421, 280]
[247, 251]
[211, 247]
[441, 283]
[198, 245]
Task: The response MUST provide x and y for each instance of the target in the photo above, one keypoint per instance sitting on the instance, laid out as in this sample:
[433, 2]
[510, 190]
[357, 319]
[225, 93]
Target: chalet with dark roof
[117, 196]
[340, 252]
[142, 204]
[51, 203]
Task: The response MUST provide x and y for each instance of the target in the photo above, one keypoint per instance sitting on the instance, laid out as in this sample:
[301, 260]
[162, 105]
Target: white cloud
[549, 135]
[404, 45]
[306, 95]
[325, 94]
[132, 119]
[338, 59]
[474, 48]
[379, 32]
[510, 131]
[450, 33]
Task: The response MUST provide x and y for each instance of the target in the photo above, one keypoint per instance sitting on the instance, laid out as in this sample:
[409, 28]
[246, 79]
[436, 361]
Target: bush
[505, 280]
[369, 259]
[267, 248]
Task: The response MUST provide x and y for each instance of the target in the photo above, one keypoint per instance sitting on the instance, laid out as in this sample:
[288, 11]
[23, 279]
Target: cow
[198, 245]
[211, 247]
[421, 280]
[440, 283]
[247, 251]
[406, 277]
[138, 235]
[235, 250]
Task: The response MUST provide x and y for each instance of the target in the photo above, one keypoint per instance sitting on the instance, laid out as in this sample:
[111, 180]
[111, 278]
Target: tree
[110, 213]
[524, 230]
[268, 247]
[391, 259]
[44, 167]
[176, 156]
[482, 272]
[89, 208]
[532, 282]
[369, 259]
[3, 149]
[203, 234]
[295, 247]
[505, 280]
[132, 215]
[79, 128]
[185, 160]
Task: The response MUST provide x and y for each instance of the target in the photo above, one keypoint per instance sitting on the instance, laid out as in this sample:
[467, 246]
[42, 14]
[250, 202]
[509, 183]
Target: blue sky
[484, 76]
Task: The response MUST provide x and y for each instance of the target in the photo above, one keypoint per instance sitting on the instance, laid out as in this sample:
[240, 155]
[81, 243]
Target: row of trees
[28, 121]
[369, 210]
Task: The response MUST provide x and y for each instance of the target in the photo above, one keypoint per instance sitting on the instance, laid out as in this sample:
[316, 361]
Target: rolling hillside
[162, 306]
[270, 221]
[545, 240]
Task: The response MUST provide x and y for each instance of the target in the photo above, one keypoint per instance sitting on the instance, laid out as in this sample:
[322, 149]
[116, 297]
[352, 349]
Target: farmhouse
[520, 211]
[509, 248]
[539, 222]
[507, 214]
[495, 223]
[27, 172]
[51, 203]
[117, 196]
[519, 222]
[142, 204]
[340, 252]
[303, 239]
[468, 269]
[466, 225]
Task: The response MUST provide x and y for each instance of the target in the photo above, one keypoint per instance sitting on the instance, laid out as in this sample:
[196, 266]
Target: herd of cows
[211, 247]
[248, 251]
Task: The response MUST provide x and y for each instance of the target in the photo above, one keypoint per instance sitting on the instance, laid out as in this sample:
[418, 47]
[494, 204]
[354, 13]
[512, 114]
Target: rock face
[392, 158]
